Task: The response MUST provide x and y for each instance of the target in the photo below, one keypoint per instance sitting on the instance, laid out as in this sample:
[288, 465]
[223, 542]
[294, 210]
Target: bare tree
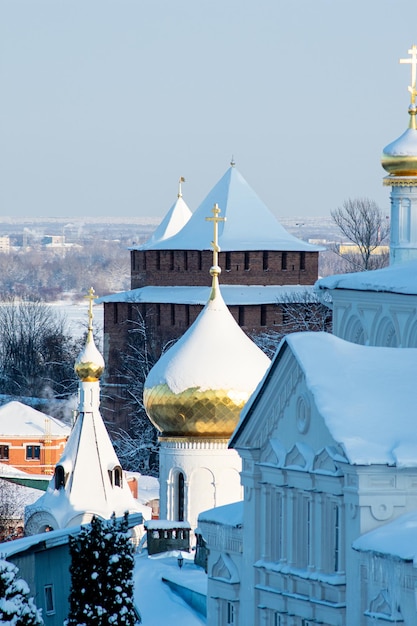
[37, 352]
[361, 221]
[138, 447]
[302, 311]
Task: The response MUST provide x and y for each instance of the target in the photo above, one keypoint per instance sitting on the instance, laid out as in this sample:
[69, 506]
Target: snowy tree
[303, 311]
[102, 575]
[17, 608]
[361, 221]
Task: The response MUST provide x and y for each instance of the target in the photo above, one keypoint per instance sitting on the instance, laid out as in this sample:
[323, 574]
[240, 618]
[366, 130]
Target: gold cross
[215, 243]
[413, 62]
[91, 297]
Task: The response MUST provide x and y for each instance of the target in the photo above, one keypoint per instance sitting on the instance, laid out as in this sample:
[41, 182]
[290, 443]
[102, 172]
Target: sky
[106, 103]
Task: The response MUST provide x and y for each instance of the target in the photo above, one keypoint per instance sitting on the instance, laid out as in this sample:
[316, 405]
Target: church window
[49, 599]
[241, 319]
[247, 261]
[284, 261]
[265, 261]
[230, 613]
[302, 531]
[4, 453]
[263, 314]
[59, 477]
[180, 497]
[228, 261]
[33, 453]
[302, 261]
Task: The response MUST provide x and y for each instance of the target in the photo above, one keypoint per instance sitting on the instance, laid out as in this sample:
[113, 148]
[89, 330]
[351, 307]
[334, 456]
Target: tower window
[263, 314]
[158, 260]
[171, 260]
[158, 314]
[302, 261]
[172, 314]
[241, 316]
[4, 453]
[247, 261]
[265, 261]
[187, 315]
[115, 313]
[59, 477]
[284, 261]
[144, 260]
[49, 599]
[185, 260]
[200, 260]
[228, 262]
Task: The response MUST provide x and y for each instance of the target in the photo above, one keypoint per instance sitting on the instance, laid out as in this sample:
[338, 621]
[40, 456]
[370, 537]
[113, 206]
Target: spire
[232, 161]
[181, 180]
[412, 88]
[89, 365]
[215, 269]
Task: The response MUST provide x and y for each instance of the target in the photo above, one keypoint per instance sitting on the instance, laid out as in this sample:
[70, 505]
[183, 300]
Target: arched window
[59, 477]
[180, 497]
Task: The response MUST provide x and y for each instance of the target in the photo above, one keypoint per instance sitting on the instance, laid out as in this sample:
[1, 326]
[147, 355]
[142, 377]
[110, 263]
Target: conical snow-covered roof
[173, 222]
[200, 385]
[249, 224]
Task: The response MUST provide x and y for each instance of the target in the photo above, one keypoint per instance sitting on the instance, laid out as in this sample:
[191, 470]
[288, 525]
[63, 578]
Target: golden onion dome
[89, 365]
[199, 386]
[399, 158]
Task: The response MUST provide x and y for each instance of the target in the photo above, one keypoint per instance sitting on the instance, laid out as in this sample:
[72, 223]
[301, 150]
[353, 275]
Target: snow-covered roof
[174, 220]
[20, 420]
[398, 278]
[397, 538]
[366, 396]
[212, 354]
[232, 294]
[249, 223]
[226, 515]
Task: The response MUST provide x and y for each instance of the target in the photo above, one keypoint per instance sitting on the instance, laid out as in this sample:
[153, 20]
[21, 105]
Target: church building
[262, 264]
[327, 528]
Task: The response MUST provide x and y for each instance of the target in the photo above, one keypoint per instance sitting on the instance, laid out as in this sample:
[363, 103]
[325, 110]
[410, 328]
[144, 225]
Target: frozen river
[77, 317]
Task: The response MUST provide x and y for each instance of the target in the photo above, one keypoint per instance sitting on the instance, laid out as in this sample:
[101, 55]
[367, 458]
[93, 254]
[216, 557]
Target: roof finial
[181, 180]
[215, 269]
[91, 297]
[413, 62]
[232, 161]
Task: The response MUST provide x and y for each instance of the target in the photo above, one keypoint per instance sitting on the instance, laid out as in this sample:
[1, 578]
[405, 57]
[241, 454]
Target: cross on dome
[181, 180]
[413, 62]
[91, 297]
[215, 243]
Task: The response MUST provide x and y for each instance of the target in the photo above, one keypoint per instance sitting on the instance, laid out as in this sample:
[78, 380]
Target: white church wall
[375, 318]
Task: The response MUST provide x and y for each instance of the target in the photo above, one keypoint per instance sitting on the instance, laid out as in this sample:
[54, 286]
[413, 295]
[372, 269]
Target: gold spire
[90, 364]
[181, 180]
[412, 88]
[215, 269]
[232, 161]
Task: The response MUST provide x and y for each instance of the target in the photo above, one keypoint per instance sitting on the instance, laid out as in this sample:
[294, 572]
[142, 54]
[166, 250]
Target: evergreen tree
[102, 575]
[16, 607]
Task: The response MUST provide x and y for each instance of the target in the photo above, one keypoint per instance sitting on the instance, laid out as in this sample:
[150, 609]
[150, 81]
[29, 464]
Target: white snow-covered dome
[200, 385]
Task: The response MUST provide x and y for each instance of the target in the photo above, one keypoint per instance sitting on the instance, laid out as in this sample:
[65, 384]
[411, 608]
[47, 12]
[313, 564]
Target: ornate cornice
[400, 181]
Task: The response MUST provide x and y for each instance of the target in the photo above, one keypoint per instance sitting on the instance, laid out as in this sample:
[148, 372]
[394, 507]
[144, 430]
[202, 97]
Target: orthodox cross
[215, 243]
[413, 62]
[181, 180]
[90, 297]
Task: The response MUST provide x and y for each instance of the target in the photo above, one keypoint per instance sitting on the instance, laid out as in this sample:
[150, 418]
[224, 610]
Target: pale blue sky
[105, 103]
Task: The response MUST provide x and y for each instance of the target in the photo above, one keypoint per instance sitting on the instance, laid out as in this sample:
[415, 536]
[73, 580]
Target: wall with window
[33, 455]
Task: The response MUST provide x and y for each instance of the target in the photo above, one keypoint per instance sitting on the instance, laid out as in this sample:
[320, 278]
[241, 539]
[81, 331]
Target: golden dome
[200, 385]
[399, 158]
[89, 365]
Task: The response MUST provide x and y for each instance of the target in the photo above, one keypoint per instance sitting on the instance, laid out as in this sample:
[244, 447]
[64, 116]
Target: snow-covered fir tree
[102, 575]
[17, 608]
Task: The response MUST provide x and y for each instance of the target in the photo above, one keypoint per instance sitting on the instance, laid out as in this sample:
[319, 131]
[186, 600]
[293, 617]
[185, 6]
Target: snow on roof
[226, 515]
[405, 145]
[398, 278]
[249, 223]
[174, 220]
[365, 394]
[212, 354]
[155, 600]
[20, 420]
[397, 538]
[232, 294]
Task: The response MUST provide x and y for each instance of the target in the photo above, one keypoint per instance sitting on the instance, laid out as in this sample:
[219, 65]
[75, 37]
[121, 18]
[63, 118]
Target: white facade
[196, 475]
[403, 237]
